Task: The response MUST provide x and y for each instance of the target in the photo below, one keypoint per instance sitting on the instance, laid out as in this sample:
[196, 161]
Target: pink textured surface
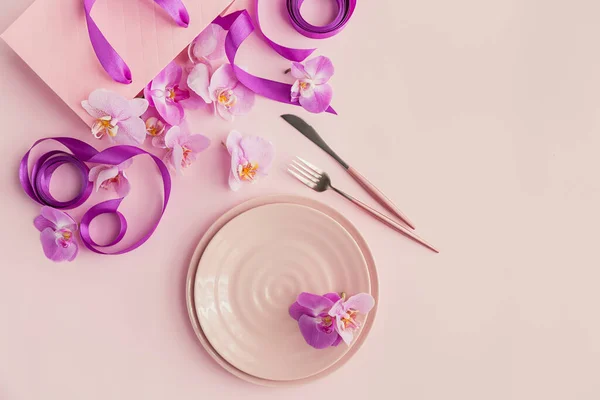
[479, 119]
[52, 37]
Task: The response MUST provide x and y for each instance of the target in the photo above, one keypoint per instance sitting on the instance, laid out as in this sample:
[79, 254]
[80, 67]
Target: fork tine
[310, 171]
[311, 166]
[304, 174]
[302, 179]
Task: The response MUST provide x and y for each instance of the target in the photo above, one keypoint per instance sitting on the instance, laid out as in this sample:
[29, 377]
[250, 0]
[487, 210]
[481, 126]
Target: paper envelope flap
[52, 37]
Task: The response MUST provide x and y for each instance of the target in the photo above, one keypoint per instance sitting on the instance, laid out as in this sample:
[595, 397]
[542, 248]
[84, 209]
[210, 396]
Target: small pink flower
[156, 127]
[251, 158]
[111, 176]
[116, 117]
[311, 89]
[345, 311]
[228, 95]
[165, 93]
[209, 45]
[57, 231]
[183, 147]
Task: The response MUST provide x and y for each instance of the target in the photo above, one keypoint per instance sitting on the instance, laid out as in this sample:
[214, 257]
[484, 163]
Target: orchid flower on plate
[251, 158]
[209, 45]
[111, 176]
[344, 313]
[316, 325]
[165, 93]
[311, 89]
[183, 147]
[116, 117]
[57, 231]
[229, 96]
[326, 320]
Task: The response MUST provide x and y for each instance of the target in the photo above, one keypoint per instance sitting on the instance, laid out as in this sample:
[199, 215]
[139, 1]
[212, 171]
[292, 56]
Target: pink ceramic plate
[242, 295]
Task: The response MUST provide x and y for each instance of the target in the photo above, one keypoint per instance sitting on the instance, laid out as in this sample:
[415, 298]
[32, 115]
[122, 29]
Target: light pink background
[480, 119]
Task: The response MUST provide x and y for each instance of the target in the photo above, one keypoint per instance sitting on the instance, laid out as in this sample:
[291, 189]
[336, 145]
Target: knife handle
[379, 196]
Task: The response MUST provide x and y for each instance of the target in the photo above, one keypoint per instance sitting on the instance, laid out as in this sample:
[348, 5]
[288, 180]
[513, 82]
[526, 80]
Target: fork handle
[379, 196]
[386, 220]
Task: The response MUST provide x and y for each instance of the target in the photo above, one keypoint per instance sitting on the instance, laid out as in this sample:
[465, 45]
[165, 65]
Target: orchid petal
[170, 76]
[315, 303]
[320, 69]
[174, 136]
[223, 78]
[138, 107]
[224, 112]
[177, 158]
[337, 341]
[125, 164]
[298, 71]
[42, 223]
[171, 112]
[314, 336]
[346, 334]
[94, 112]
[105, 174]
[334, 297]
[122, 185]
[233, 141]
[210, 43]
[244, 100]
[197, 143]
[318, 99]
[296, 311]
[338, 308]
[295, 94]
[58, 218]
[362, 302]
[258, 151]
[110, 103]
[234, 181]
[131, 131]
[198, 81]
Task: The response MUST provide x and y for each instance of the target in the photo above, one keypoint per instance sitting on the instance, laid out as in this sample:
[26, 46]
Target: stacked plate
[249, 268]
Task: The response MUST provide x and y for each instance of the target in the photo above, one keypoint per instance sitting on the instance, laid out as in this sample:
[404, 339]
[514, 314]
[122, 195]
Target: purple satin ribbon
[37, 186]
[345, 11]
[239, 26]
[111, 61]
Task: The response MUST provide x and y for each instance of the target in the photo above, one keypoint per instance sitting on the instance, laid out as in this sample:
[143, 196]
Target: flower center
[154, 126]
[176, 95]
[105, 125]
[186, 161]
[305, 86]
[64, 237]
[227, 98]
[247, 171]
[349, 320]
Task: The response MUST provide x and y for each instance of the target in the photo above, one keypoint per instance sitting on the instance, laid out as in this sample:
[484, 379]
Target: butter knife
[304, 128]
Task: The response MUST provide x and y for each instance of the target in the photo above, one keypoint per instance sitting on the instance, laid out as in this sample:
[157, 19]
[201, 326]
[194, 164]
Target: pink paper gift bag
[52, 37]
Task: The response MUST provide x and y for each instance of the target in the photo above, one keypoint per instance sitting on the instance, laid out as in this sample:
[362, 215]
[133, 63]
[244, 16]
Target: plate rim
[247, 205]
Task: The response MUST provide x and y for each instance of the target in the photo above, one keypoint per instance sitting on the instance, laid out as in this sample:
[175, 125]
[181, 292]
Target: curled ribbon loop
[239, 24]
[345, 11]
[37, 186]
[111, 61]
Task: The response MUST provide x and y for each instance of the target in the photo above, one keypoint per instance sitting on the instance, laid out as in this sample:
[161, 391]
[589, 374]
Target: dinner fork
[319, 181]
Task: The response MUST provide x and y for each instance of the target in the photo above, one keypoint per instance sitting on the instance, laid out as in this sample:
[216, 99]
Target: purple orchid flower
[316, 325]
[116, 117]
[251, 158]
[165, 93]
[183, 147]
[311, 89]
[344, 313]
[111, 176]
[209, 45]
[229, 96]
[57, 231]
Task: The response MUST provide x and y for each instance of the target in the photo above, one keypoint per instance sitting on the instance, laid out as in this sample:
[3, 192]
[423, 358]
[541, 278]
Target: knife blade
[304, 128]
